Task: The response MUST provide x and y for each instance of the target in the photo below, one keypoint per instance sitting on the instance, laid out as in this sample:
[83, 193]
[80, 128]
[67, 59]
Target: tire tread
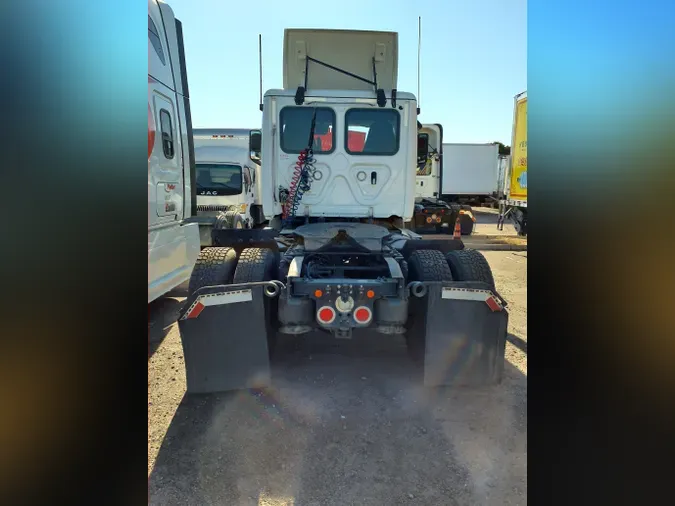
[214, 266]
[470, 265]
[429, 265]
[253, 265]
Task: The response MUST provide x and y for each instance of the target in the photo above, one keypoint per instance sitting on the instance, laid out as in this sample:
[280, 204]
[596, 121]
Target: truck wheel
[466, 224]
[423, 265]
[238, 222]
[470, 265]
[231, 219]
[428, 265]
[214, 266]
[255, 265]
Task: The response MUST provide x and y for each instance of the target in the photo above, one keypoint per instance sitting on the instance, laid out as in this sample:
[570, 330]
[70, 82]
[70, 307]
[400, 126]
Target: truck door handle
[168, 143]
[373, 177]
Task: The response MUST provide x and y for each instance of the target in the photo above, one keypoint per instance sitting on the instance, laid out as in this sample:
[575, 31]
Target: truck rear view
[339, 147]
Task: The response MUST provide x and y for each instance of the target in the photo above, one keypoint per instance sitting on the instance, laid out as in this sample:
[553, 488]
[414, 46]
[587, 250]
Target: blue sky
[474, 56]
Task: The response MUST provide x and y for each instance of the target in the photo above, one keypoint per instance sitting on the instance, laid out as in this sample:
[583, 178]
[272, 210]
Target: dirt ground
[346, 422]
[486, 223]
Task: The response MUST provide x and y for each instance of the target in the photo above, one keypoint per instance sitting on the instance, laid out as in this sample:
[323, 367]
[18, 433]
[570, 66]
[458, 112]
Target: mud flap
[464, 334]
[223, 330]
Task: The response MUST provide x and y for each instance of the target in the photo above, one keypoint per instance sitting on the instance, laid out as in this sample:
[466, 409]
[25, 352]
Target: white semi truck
[173, 242]
[336, 257]
[450, 178]
[431, 211]
[228, 180]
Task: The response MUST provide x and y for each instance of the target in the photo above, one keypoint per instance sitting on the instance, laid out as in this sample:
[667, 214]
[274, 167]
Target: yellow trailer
[514, 201]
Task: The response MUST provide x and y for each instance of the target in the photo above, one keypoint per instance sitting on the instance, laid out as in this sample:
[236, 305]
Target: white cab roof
[349, 50]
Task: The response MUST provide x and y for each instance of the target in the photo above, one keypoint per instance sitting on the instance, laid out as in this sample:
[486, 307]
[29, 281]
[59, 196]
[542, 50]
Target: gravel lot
[486, 222]
[346, 422]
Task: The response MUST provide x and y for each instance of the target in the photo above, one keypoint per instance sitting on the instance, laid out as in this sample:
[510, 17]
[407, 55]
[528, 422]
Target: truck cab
[363, 143]
[227, 181]
[173, 244]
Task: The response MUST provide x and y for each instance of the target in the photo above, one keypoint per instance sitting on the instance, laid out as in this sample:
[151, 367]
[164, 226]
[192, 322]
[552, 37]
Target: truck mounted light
[326, 315]
[363, 315]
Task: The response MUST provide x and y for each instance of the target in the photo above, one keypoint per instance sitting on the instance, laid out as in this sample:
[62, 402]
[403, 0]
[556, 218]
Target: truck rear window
[296, 125]
[218, 179]
[380, 127]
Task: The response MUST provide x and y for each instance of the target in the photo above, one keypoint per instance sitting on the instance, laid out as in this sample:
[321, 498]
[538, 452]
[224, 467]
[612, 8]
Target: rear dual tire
[423, 265]
[214, 266]
[257, 265]
[470, 265]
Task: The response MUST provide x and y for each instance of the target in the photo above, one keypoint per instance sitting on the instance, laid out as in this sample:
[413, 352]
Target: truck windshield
[218, 179]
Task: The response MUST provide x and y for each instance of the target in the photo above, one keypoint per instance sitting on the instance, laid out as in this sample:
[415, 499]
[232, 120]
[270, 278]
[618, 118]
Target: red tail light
[363, 315]
[326, 315]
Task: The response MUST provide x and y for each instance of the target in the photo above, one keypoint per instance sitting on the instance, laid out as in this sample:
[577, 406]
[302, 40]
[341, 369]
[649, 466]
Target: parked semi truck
[228, 180]
[431, 211]
[173, 242]
[513, 203]
[450, 178]
[336, 256]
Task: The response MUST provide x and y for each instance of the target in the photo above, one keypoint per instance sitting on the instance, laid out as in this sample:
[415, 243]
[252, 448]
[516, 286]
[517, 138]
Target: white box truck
[470, 173]
[173, 242]
[336, 257]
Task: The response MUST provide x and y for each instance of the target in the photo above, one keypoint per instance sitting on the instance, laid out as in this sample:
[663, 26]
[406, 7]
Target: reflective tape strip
[471, 294]
[217, 299]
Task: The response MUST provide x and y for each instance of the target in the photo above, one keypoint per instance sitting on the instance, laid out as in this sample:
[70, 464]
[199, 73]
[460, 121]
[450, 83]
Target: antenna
[419, 44]
[260, 60]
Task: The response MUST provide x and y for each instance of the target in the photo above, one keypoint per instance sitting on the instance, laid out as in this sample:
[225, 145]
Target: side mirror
[255, 144]
[422, 149]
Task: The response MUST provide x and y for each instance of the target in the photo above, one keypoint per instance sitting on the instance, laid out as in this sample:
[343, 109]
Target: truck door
[167, 171]
[165, 166]
[429, 153]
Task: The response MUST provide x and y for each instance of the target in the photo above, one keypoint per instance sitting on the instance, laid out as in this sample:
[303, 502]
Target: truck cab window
[381, 128]
[219, 179]
[167, 133]
[296, 123]
[153, 35]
